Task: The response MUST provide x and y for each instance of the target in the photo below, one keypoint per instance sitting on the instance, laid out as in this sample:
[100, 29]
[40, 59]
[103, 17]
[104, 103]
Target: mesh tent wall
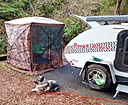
[34, 43]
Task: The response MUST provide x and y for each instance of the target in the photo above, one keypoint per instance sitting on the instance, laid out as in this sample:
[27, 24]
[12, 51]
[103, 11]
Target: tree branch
[117, 9]
[32, 8]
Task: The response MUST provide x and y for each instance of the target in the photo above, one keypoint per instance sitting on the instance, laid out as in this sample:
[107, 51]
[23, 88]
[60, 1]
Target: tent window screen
[46, 43]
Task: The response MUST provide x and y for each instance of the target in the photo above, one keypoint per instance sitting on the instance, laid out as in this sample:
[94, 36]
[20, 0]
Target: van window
[125, 54]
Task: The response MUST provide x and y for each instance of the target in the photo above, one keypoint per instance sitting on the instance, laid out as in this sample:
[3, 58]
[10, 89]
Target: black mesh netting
[47, 45]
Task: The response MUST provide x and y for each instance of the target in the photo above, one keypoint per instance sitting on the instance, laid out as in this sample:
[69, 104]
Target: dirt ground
[15, 89]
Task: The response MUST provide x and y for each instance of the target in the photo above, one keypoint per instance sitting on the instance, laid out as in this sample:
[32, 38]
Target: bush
[3, 46]
[72, 29]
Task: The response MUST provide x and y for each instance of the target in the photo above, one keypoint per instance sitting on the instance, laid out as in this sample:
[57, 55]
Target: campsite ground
[15, 89]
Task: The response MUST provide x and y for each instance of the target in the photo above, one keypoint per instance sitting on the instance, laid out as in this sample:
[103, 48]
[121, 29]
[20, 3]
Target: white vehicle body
[108, 43]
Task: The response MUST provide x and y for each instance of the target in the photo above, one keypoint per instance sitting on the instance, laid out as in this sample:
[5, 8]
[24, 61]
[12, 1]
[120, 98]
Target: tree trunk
[118, 5]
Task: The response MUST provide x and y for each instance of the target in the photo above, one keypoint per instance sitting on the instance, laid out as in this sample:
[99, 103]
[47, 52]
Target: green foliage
[58, 10]
[3, 46]
[107, 7]
[13, 9]
[8, 10]
[71, 30]
[124, 7]
[49, 8]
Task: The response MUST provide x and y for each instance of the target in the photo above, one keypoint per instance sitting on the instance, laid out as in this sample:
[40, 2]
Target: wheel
[96, 72]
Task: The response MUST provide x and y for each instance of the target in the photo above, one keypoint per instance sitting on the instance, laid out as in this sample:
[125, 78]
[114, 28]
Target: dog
[45, 85]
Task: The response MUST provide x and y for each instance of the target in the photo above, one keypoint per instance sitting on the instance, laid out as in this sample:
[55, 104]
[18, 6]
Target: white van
[101, 52]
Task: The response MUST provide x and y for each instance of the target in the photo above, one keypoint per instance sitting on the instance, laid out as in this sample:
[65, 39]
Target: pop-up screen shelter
[34, 43]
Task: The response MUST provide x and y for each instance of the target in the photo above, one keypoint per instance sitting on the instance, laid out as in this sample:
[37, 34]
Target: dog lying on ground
[45, 85]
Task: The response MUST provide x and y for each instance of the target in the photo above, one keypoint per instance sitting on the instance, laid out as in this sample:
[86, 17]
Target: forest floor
[15, 89]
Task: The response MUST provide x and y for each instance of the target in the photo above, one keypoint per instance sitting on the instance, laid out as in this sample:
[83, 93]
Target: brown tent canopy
[34, 43]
